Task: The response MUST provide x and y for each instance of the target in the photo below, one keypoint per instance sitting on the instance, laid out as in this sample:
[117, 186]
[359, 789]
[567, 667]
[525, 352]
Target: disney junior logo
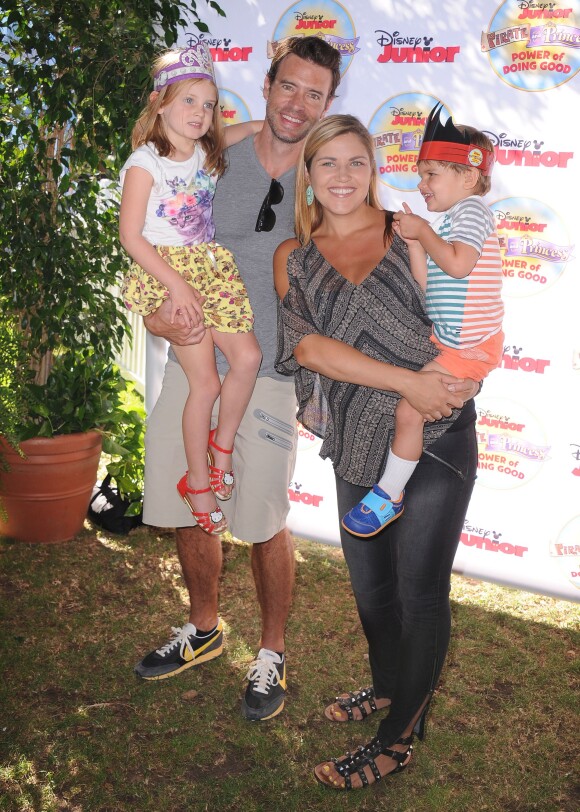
[408, 118]
[221, 50]
[194, 39]
[296, 494]
[489, 541]
[517, 222]
[542, 11]
[525, 152]
[512, 360]
[313, 22]
[400, 48]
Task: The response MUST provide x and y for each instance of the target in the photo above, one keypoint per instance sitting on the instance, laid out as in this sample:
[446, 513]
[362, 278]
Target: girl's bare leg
[244, 357]
[198, 363]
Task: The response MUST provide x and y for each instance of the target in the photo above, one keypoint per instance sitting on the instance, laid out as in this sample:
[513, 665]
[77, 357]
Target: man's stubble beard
[285, 139]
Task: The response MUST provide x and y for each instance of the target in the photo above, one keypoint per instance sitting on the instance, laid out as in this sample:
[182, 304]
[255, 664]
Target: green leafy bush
[73, 77]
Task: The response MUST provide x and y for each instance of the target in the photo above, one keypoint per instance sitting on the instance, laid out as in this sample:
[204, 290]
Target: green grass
[79, 732]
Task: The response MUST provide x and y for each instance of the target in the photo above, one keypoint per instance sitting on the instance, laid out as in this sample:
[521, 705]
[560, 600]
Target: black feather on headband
[444, 142]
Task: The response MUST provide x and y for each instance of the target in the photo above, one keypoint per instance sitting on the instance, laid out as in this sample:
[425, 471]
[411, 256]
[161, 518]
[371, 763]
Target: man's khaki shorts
[263, 459]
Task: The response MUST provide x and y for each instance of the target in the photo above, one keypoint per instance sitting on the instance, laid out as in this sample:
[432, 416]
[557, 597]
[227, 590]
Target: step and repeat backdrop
[510, 69]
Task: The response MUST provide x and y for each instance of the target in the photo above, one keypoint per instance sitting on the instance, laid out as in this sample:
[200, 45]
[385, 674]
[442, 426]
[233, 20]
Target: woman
[354, 333]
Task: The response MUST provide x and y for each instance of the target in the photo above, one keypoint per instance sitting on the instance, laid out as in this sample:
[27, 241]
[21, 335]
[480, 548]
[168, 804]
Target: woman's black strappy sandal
[364, 756]
[355, 699]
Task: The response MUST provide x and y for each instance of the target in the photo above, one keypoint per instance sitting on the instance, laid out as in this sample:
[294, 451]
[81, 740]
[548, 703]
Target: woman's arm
[281, 255]
[427, 392]
[234, 133]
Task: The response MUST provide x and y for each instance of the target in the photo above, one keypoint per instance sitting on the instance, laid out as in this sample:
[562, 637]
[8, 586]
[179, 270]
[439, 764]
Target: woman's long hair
[149, 126]
[308, 218]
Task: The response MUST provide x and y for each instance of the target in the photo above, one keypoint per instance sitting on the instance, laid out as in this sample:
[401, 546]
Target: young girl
[166, 226]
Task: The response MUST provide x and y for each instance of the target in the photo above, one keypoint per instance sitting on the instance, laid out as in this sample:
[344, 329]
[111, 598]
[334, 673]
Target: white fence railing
[131, 359]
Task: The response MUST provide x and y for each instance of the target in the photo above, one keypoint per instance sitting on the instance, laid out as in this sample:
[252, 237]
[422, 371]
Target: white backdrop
[509, 69]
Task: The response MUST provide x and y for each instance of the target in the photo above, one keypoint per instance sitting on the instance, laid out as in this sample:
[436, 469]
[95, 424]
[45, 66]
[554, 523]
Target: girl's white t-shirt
[179, 210]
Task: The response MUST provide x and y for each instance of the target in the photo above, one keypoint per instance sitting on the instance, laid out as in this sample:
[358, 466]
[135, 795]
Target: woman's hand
[466, 388]
[429, 393]
[432, 393]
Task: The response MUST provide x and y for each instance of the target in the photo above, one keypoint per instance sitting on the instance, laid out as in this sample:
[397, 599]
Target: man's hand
[176, 332]
[185, 303]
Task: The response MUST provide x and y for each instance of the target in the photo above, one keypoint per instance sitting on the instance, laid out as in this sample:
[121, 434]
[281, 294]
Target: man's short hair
[312, 49]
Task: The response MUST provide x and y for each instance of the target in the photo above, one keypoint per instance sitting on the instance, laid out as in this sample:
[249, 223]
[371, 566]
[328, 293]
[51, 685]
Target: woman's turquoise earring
[309, 195]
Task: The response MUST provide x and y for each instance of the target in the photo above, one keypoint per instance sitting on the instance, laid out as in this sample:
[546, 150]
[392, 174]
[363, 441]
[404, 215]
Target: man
[254, 213]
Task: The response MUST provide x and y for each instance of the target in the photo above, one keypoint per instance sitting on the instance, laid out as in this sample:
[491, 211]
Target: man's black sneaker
[267, 686]
[184, 650]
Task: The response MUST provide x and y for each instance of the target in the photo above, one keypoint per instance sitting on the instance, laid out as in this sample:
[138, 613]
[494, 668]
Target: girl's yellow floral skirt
[210, 269]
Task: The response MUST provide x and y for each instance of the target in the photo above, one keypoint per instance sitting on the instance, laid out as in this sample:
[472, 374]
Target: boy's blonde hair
[308, 218]
[478, 139]
[149, 126]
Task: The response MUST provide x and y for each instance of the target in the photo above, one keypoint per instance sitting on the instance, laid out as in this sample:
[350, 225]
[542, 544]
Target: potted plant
[73, 77]
[52, 454]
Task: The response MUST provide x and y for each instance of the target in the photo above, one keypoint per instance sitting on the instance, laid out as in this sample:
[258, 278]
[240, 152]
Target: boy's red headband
[447, 143]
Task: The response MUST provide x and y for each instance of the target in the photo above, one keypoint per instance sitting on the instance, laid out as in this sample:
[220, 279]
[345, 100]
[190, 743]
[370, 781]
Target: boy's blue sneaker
[373, 513]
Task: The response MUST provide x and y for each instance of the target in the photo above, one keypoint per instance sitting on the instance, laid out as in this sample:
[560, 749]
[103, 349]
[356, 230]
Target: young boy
[459, 266]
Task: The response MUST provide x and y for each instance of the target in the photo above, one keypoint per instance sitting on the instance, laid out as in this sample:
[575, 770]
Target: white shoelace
[263, 675]
[180, 637]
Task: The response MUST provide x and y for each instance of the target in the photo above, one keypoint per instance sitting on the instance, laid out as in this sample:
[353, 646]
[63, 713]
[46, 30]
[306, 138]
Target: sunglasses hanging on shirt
[267, 216]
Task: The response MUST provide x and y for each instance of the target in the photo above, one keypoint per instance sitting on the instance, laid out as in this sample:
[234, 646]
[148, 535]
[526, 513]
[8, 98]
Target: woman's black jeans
[401, 577]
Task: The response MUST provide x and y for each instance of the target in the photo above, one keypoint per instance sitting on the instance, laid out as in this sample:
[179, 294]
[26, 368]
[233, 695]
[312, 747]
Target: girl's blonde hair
[308, 218]
[149, 127]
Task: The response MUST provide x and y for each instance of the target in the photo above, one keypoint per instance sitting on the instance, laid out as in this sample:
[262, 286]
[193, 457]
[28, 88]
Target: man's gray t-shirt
[238, 198]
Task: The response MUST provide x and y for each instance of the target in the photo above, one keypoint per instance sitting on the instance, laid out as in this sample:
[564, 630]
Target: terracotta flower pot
[46, 496]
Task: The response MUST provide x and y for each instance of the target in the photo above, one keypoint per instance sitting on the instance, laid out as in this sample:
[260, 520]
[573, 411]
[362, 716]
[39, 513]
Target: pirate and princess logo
[565, 551]
[326, 19]
[534, 243]
[512, 444]
[534, 45]
[397, 128]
